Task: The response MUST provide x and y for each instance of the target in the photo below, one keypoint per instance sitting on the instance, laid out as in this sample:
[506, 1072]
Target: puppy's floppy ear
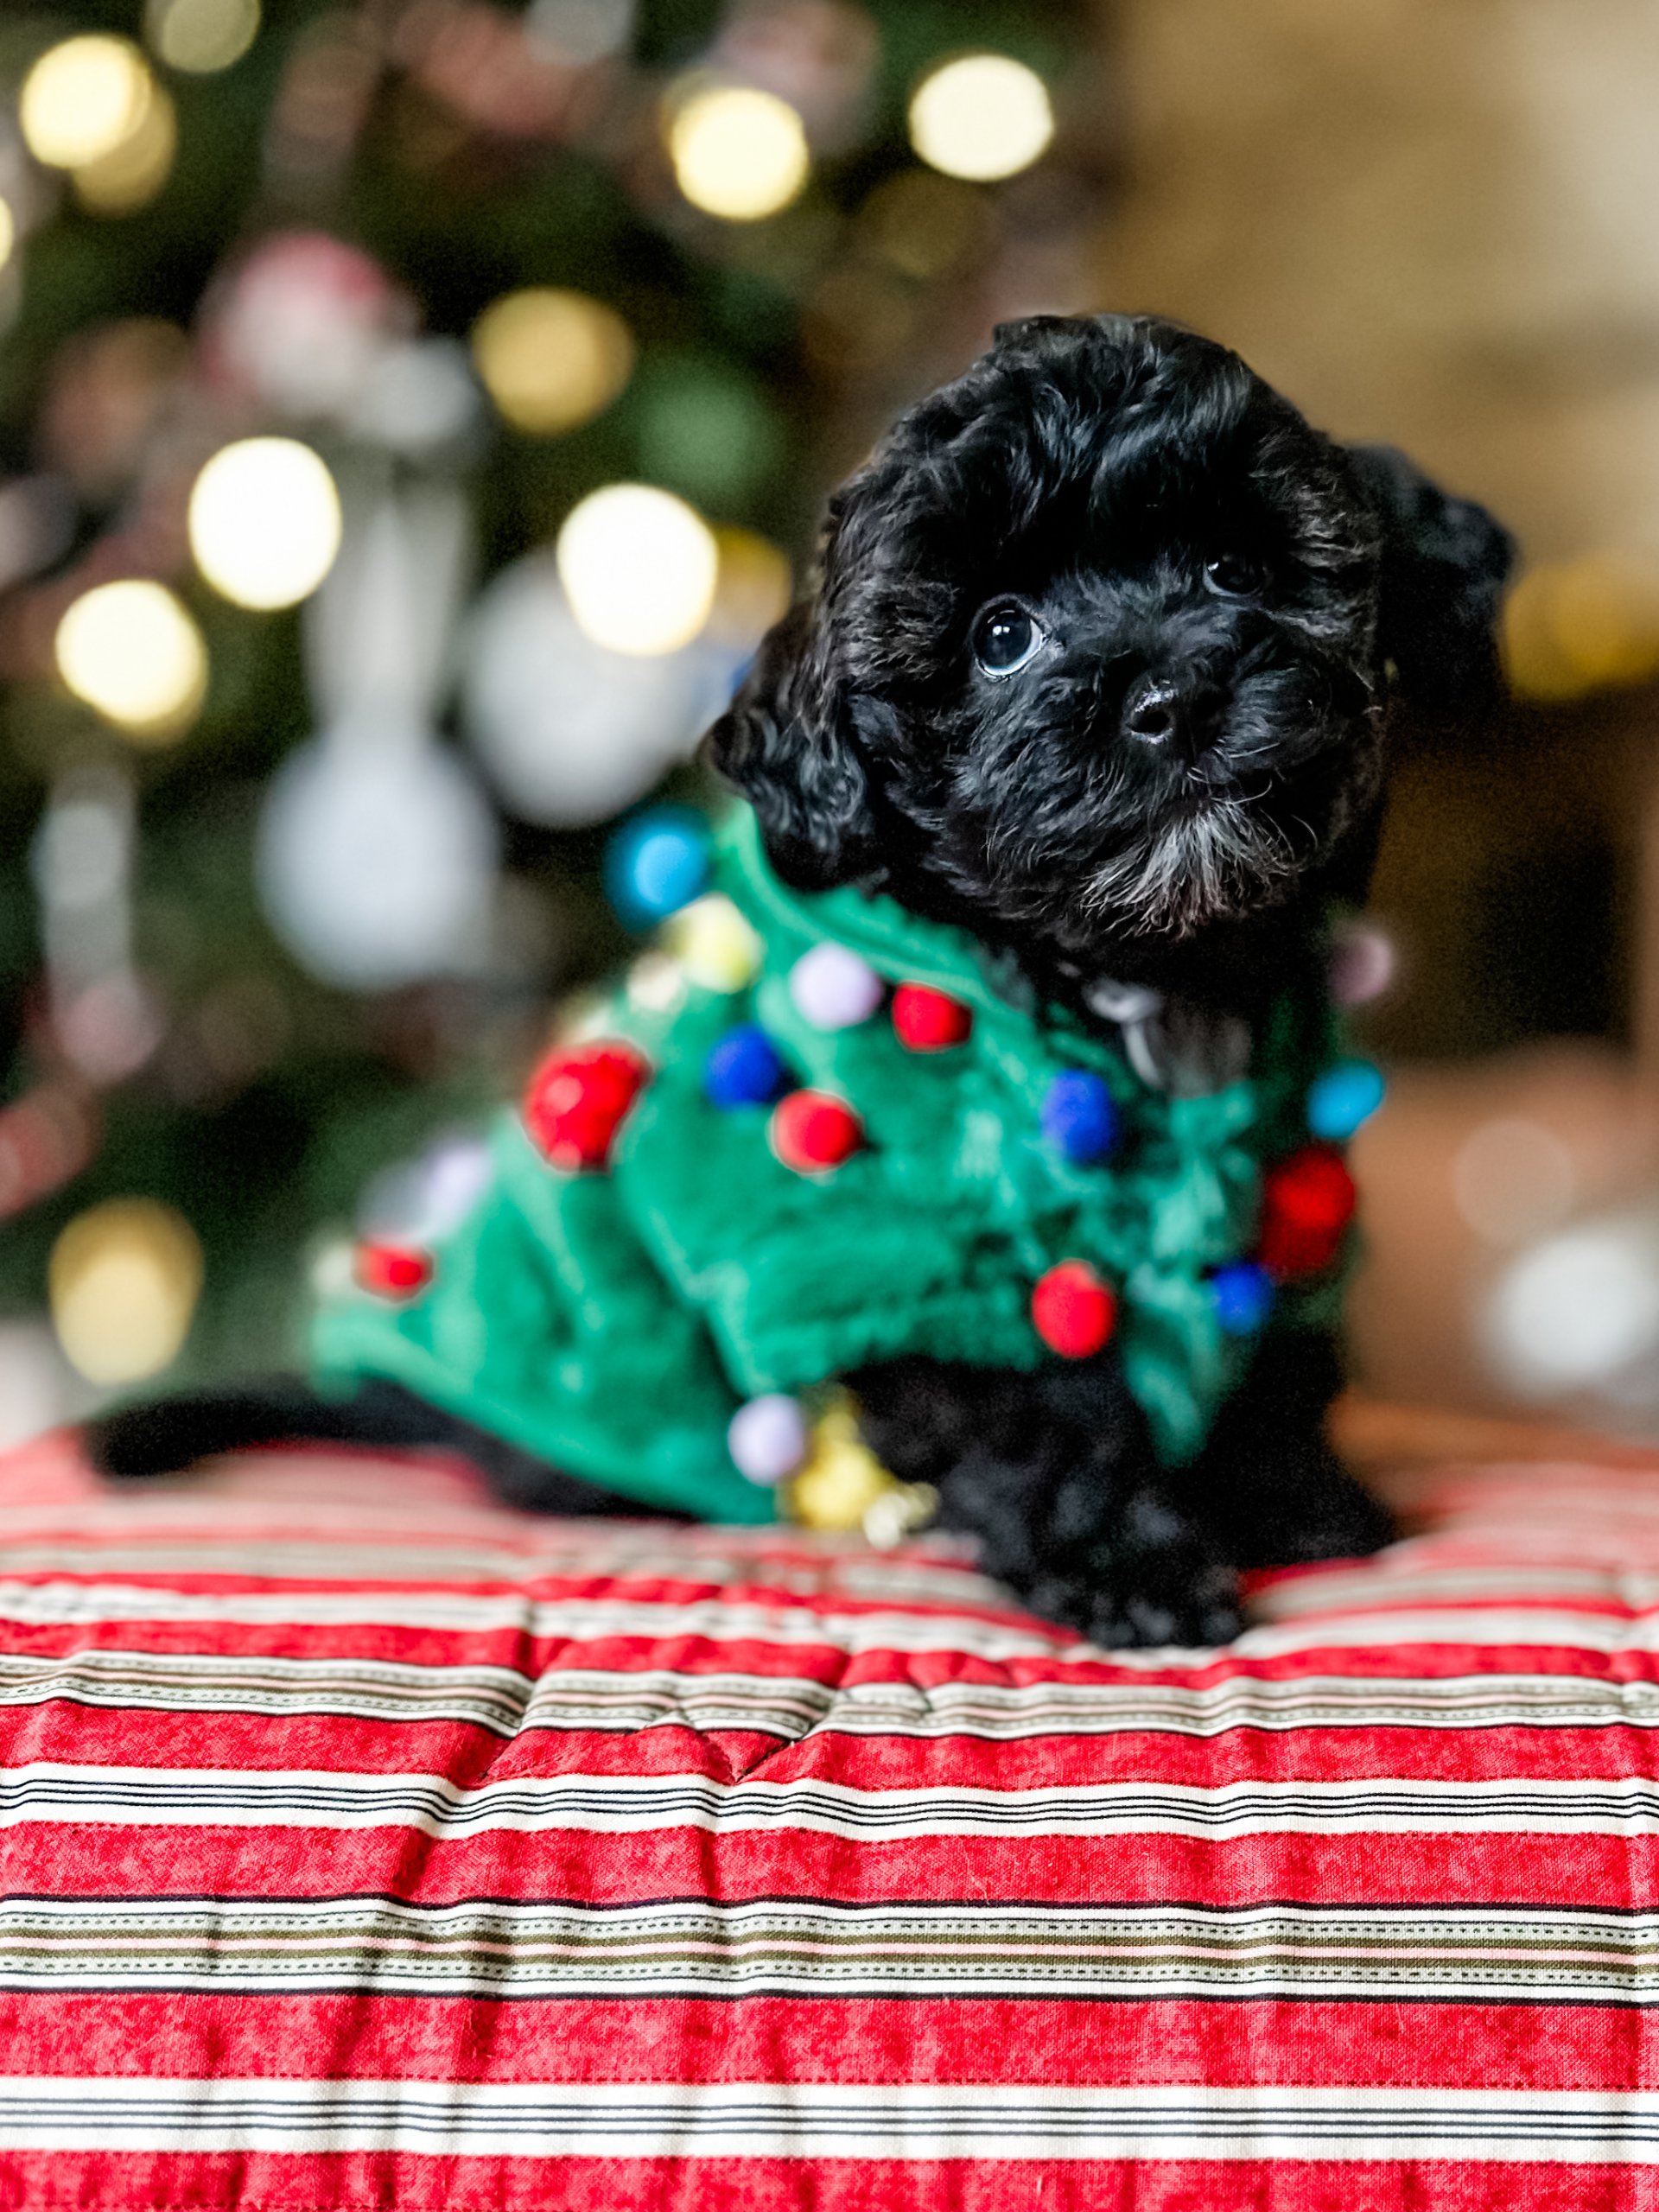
[786, 743]
[1444, 563]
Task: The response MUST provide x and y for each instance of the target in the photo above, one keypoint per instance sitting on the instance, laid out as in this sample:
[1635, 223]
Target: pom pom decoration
[657, 863]
[391, 1270]
[1343, 1097]
[767, 1438]
[717, 949]
[1243, 1293]
[812, 1132]
[1073, 1311]
[744, 1069]
[1080, 1119]
[1308, 1201]
[833, 988]
[576, 1100]
[927, 1020]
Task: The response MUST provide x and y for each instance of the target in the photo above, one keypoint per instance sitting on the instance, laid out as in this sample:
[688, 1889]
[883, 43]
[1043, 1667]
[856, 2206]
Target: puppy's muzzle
[1181, 715]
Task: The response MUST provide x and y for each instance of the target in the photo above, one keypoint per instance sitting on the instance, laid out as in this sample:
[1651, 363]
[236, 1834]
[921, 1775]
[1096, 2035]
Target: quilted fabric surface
[365, 1844]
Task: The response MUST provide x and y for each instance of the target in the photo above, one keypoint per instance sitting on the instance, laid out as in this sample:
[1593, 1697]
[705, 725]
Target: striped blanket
[366, 1845]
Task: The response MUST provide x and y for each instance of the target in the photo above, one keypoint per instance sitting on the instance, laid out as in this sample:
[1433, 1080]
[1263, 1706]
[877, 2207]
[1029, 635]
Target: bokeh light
[124, 1279]
[738, 152]
[131, 651]
[84, 97]
[130, 174]
[264, 522]
[201, 36]
[982, 117]
[638, 567]
[8, 233]
[1572, 627]
[551, 359]
[753, 586]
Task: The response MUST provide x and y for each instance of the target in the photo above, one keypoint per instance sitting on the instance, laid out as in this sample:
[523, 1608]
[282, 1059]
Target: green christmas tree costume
[613, 1321]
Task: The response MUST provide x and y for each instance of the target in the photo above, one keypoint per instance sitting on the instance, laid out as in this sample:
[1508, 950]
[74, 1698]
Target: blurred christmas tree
[410, 417]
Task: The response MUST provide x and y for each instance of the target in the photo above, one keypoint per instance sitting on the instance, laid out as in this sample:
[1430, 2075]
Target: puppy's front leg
[1055, 1475]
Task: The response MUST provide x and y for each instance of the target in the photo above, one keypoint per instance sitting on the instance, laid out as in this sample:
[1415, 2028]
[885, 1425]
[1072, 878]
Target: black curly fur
[1227, 604]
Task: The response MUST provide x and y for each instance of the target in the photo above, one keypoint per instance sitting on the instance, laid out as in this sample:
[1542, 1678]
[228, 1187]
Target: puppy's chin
[1215, 858]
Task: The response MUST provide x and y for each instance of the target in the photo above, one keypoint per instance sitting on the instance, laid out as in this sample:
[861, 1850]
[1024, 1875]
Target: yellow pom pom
[714, 944]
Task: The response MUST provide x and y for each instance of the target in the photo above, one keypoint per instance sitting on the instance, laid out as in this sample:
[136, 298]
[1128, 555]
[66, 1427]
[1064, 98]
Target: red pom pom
[392, 1270]
[810, 1131]
[576, 1099]
[1308, 1201]
[1073, 1311]
[929, 1020]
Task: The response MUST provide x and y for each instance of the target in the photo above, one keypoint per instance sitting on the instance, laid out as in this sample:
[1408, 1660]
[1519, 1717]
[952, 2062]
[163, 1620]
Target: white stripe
[619, 1805]
[728, 2121]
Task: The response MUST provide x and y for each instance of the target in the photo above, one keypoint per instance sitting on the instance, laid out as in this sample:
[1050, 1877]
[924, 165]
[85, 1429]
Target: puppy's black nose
[1183, 715]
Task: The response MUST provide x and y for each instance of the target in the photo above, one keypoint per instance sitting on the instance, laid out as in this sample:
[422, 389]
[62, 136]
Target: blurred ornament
[581, 31]
[570, 733]
[84, 99]
[715, 946]
[419, 397]
[124, 1279]
[818, 56]
[301, 323]
[638, 568]
[130, 174]
[1243, 1294]
[767, 1438]
[738, 152]
[842, 1480]
[834, 988]
[753, 587]
[1512, 1179]
[982, 116]
[1342, 1099]
[1579, 1311]
[1079, 1117]
[264, 522]
[1362, 963]
[551, 359]
[578, 1100]
[811, 1132]
[379, 633]
[1073, 1311]
[925, 225]
[132, 652]
[110, 393]
[1572, 627]
[744, 1068]
[376, 855]
[926, 1020]
[200, 37]
[657, 863]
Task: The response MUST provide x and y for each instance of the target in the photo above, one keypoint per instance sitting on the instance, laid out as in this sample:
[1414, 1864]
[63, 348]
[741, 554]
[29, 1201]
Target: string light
[551, 359]
[201, 36]
[130, 650]
[124, 1278]
[130, 174]
[638, 568]
[982, 116]
[738, 152]
[83, 99]
[264, 522]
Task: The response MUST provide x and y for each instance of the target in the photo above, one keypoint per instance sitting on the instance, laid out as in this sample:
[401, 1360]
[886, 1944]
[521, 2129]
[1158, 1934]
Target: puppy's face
[1096, 661]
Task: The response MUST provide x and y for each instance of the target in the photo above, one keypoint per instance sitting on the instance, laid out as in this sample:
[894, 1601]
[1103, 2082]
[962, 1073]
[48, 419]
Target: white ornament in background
[376, 855]
[1576, 1316]
[569, 732]
[419, 396]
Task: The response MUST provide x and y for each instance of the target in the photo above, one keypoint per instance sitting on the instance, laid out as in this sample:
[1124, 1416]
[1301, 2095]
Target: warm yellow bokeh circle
[264, 522]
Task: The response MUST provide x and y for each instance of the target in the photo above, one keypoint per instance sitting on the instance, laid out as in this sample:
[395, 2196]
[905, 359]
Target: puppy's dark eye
[1233, 575]
[1005, 639]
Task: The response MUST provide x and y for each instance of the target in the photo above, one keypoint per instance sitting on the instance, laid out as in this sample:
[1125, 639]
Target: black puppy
[1099, 667]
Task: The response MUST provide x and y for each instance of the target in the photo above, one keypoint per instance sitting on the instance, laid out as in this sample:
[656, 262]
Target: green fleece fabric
[612, 1322]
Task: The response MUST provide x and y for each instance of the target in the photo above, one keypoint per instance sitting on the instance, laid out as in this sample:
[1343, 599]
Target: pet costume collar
[822, 1139]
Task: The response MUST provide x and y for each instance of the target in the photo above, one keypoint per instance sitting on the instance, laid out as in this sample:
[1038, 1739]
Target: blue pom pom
[1080, 1119]
[1243, 1293]
[1342, 1098]
[657, 863]
[744, 1069]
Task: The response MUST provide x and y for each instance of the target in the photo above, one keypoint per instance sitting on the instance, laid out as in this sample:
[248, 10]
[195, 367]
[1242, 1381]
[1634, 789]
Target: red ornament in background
[929, 1020]
[1308, 1201]
[392, 1270]
[1073, 1311]
[811, 1131]
[576, 1100]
